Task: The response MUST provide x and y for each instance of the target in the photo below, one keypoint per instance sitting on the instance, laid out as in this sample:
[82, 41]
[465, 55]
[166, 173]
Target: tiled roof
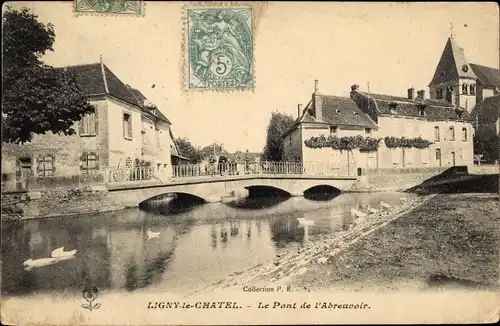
[488, 110]
[405, 99]
[92, 81]
[218, 150]
[344, 111]
[487, 76]
[141, 98]
[451, 63]
[433, 109]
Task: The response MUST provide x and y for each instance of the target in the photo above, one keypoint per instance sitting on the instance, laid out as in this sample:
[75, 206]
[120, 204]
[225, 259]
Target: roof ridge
[78, 65]
[483, 66]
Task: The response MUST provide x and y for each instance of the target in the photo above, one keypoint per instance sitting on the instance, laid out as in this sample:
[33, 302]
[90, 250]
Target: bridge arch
[263, 190]
[175, 196]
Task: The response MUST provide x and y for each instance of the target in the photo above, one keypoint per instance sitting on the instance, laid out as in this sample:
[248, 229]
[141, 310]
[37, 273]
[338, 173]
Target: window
[127, 126]
[424, 155]
[89, 164]
[438, 154]
[436, 133]
[45, 166]
[464, 134]
[422, 112]
[88, 124]
[439, 93]
[452, 133]
[472, 89]
[464, 89]
[368, 131]
[333, 130]
[128, 162]
[449, 93]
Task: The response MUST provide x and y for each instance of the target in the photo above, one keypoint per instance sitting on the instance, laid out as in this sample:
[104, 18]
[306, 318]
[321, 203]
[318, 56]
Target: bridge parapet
[228, 170]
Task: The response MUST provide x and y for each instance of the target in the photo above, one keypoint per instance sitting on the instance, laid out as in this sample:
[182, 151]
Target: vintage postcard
[234, 163]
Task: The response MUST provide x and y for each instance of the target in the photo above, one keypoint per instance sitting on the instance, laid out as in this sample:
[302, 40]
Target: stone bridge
[213, 189]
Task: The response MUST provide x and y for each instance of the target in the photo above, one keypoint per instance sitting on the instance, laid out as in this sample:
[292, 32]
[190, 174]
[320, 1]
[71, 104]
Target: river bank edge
[320, 251]
[16, 216]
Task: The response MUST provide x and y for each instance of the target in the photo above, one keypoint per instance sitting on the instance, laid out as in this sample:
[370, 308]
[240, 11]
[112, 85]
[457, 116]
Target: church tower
[454, 80]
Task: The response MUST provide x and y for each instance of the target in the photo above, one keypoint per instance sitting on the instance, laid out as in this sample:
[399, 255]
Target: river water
[198, 244]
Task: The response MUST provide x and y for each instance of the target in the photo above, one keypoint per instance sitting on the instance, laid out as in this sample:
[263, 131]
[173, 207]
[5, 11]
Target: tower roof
[453, 64]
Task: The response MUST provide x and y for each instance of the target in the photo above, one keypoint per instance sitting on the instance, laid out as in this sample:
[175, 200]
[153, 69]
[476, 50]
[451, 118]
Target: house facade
[462, 83]
[125, 130]
[409, 132]
[328, 116]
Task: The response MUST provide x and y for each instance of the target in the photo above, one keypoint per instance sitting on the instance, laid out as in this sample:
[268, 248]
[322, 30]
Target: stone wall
[57, 202]
[393, 179]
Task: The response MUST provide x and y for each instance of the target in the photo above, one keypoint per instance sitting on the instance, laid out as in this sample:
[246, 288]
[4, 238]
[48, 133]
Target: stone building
[445, 131]
[462, 83]
[124, 130]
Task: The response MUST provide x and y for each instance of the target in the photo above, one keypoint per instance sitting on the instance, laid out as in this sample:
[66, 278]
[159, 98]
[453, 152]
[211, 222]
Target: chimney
[318, 102]
[421, 94]
[411, 93]
[299, 110]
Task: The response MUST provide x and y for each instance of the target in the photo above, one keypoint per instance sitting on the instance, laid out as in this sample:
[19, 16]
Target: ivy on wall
[365, 143]
[393, 142]
[344, 143]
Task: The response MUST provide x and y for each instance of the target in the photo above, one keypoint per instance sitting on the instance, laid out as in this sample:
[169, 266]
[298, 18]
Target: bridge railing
[129, 174]
[227, 169]
[265, 167]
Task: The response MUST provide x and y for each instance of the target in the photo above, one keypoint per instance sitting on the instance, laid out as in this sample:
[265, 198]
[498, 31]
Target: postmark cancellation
[219, 49]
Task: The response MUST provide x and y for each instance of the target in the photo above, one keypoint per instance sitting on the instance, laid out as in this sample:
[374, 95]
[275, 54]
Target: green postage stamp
[219, 48]
[117, 7]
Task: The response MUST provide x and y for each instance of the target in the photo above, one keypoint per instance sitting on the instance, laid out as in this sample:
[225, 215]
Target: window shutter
[96, 120]
[80, 127]
[124, 126]
[130, 126]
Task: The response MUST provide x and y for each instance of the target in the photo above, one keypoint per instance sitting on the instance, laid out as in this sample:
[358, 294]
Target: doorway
[23, 172]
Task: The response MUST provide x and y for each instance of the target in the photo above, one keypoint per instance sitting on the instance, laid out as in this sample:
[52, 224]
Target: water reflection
[196, 246]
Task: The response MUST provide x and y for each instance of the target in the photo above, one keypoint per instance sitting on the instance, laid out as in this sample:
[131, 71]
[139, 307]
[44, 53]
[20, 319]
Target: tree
[278, 125]
[36, 97]
[189, 150]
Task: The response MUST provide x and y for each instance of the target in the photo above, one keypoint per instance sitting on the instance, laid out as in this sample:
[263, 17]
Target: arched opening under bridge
[171, 203]
[322, 193]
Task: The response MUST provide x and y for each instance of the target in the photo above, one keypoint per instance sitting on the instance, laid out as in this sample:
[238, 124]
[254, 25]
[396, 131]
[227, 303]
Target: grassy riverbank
[452, 240]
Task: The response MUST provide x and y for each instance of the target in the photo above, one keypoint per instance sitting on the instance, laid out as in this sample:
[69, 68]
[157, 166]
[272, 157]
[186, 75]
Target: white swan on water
[385, 205]
[152, 234]
[32, 263]
[303, 221]
[60, 253]
[357, 213]
[371, 210]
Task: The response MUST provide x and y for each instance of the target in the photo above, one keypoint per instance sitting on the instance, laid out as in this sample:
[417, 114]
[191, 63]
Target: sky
[388, 46]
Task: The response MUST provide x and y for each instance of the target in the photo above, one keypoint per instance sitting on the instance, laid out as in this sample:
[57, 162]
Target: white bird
[60, 253]
[32, 263]
[371, 210]
[152, 235]
[385, 205]
[303, 221]
[357, 213]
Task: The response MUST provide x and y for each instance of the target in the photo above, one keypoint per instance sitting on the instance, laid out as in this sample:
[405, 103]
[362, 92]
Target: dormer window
[464, 89]
[333, 130]
[443, 73]
[338, 111]
[356, 113]
[472, 89]
[422, 112]
[439, 93]
[393, 107]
